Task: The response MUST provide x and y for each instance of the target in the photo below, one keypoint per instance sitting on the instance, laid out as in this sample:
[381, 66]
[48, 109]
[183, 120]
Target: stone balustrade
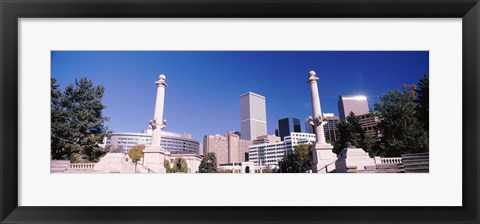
[88, 166]
[390, 160]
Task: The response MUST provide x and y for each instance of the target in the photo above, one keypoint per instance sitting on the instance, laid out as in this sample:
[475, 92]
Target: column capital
[161, 82]
[312, 77]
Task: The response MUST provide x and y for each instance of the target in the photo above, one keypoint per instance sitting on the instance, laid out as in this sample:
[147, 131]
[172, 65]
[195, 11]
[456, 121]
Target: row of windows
[135, 139]
[128, 143]
[129, 135]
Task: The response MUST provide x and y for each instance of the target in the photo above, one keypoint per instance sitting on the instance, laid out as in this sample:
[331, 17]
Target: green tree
[75, 158]
[352, 132]
[60, 133]
[298, 160]
[166, 164]
[136, 153]
[401, 130]
[114, 149]
[77, 120]
[422, 101]
[208, 163]
[180, 166]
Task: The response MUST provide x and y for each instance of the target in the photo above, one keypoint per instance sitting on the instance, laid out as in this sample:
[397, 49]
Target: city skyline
[204, 87]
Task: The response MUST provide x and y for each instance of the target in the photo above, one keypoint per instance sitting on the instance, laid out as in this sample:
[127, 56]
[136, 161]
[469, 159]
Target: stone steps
[59, 166]
[416, 163]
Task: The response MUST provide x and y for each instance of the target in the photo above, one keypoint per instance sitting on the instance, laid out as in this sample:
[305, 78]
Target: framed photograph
[225, 111]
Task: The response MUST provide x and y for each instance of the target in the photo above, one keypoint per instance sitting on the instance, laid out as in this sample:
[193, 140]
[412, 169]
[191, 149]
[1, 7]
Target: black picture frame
[11, 11]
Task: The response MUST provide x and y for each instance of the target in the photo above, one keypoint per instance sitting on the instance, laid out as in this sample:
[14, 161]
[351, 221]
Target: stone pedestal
[324, 159]
[154, 159]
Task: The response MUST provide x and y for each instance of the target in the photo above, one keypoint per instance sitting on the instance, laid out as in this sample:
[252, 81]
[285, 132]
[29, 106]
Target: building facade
[356, 104]
[228, 148]
[269, 154]
[253, 116]
[175, 143]
[288, 125]
[369, 123]
[266, 139]
[331, 130]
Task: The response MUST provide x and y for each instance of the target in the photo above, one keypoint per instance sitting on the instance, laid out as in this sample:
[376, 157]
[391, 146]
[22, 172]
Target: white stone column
[154, 155]
[158, 115]
[323, 157]
[316, 109]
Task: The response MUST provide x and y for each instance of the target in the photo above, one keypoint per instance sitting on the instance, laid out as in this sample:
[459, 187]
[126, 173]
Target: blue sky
[204, 88]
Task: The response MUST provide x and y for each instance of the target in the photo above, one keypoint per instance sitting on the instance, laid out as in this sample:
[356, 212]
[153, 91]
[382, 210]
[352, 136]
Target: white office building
[175, 143]
[253, 116]
[268, 154]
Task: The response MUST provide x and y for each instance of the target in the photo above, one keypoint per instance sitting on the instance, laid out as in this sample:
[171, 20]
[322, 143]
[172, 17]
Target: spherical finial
[162, 76]
[312, 73]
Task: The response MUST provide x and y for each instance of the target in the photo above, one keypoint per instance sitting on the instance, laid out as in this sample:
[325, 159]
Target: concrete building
[175, 143]
[330, 128]
[369, 123]
[253, 116]
[228, 148]
[125, 140]
[266, 139]
[268, 154]
[356, 104]
[288, 125]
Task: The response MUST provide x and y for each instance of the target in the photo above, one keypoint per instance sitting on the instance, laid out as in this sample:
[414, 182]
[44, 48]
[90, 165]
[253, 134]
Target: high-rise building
[331, 130]
[287, 126]
[253, 116]
[356, 104]
[228, 148]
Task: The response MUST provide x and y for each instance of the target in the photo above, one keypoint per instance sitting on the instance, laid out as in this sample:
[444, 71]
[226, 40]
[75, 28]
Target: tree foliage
[298, 160]
[423, 101]
[114, 149]
[136, 153]
[351, 132]
[166, 164]
[180, 166]
[402, 130]
[208, 163]
[77, 120]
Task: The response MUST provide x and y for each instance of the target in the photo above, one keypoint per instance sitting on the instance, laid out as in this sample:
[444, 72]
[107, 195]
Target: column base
[323, 158]
[153, 159]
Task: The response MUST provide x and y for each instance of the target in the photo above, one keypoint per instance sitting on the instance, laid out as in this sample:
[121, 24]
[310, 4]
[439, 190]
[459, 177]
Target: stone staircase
[416, 163]
[59, 166]
[390, 168]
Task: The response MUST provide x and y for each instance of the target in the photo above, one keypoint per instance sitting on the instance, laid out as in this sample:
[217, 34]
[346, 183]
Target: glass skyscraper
[288, 125]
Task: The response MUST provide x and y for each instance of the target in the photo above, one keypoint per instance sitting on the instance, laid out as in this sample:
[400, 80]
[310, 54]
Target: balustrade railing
[82, 166]
[391, 160]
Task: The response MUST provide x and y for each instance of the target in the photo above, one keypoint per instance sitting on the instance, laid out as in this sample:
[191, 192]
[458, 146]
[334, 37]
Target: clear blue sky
[204, 88]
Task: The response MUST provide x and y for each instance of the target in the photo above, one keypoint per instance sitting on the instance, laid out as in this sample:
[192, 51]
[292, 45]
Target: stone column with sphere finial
[323, 157]
[154, 155]
[158, 123]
